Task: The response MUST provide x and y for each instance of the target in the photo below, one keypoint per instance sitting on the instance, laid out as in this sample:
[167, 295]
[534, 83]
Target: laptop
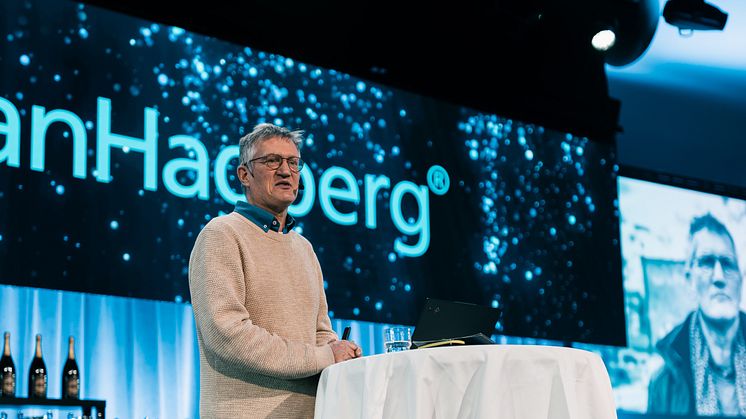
[443, 323]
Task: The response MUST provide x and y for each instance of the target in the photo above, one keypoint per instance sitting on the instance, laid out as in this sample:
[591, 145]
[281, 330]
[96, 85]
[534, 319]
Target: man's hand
[344, 350]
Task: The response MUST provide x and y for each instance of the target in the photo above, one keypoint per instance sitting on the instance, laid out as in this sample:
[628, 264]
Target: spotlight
[603, 40]
[694, 15]
[624, 28]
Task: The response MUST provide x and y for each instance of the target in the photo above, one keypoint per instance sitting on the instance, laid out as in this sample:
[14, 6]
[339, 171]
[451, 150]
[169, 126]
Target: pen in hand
[346, 333]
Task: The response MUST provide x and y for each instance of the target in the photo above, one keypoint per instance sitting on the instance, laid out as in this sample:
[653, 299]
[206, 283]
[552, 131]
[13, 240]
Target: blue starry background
[529, 224]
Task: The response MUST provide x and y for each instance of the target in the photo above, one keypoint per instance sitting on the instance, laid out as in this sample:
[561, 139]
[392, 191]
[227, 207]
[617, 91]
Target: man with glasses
[258, 294]
[704, 370]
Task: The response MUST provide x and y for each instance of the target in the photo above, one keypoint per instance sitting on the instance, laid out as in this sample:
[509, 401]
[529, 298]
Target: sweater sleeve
[324, 332]
[217, 286]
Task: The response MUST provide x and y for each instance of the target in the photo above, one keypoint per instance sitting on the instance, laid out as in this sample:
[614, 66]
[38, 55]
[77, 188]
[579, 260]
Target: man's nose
[717, 270]
[284, 169]
[718, 277]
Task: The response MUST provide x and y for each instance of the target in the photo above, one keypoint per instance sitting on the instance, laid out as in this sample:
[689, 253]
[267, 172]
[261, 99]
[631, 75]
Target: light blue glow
[350, 193]
[11, 128]
[114, 224]
[373, 184]
[25, 60]
[126, 257]
[200, 166]
[40, 122]
[108, 140]
[438, 180]
[419, 227]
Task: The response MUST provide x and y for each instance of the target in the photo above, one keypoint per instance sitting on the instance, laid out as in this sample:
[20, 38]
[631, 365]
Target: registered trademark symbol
[438, 180]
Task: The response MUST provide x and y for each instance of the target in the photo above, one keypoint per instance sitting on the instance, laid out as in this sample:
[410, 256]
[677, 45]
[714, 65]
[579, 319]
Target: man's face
[715, 275]
[271, 189]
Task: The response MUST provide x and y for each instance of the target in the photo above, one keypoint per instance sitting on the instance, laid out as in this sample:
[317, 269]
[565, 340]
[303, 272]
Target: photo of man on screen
[704, 370]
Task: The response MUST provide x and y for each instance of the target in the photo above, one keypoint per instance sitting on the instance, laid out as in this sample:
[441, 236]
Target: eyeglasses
[706, 265]
[274, 161]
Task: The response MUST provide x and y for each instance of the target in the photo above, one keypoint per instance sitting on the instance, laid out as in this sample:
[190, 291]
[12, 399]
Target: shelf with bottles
[38, 373]
[88, 406]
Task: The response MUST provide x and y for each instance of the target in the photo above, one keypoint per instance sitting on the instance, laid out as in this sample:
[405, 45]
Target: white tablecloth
[487, 381]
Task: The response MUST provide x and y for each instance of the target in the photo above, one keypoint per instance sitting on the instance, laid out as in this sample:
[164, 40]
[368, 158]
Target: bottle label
[39, 383]
[8, 384]
[71, 387]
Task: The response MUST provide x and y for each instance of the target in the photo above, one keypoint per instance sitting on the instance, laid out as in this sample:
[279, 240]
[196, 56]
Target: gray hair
[706, 222]
[263, 132]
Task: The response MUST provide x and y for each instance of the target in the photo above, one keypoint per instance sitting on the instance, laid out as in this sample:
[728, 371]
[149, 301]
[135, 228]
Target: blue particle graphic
[571, 219]
[379, 305]
[114, 225]
[25, 60]
[407, 287]
[529, 275]
[163, 79]
[392, 257]
[60, 190]
[180, 222]
[126, 257]
[356, 311]
[83, 33]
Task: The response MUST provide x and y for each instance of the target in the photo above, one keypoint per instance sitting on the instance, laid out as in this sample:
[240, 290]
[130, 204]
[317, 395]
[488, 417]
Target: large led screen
[118, 142]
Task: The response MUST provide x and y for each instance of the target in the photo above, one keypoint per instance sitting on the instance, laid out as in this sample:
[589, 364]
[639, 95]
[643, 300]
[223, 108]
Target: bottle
[71, 374]
[7, 371]
[37, 375]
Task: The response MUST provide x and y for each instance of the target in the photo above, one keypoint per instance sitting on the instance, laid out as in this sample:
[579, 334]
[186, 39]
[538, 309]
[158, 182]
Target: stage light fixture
[694, 15]
[623, 29]
[603, 40]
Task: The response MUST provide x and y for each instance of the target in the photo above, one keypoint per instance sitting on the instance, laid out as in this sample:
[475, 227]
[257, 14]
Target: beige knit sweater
[262, 322]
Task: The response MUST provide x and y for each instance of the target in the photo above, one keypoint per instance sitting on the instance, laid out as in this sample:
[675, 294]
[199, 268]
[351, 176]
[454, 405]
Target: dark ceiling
[520, 59]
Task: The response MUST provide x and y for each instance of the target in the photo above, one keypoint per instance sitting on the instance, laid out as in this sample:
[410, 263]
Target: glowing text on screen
[106, 140]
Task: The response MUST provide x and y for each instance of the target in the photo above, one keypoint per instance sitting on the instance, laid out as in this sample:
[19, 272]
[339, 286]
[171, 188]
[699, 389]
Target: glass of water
[396, 338]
